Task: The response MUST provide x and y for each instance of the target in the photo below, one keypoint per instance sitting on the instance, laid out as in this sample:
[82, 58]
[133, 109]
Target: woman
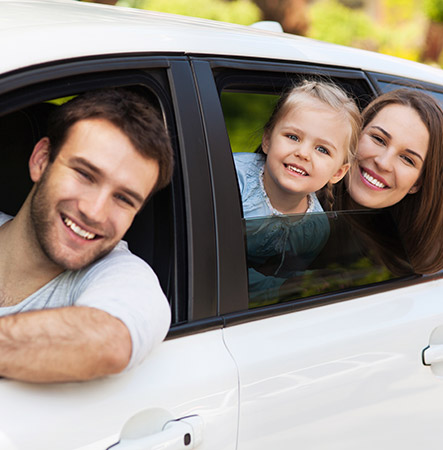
[399, 166]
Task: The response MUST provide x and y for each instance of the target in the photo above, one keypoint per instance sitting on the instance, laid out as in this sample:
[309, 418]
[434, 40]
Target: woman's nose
[384, 160]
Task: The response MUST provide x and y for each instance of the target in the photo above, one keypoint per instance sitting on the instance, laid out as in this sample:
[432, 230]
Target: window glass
[387, 87]
[298, 256]
[292, 257]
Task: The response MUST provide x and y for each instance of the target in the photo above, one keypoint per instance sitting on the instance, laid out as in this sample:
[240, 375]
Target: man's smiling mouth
[371, 180]
[296, 170]
[78, 230]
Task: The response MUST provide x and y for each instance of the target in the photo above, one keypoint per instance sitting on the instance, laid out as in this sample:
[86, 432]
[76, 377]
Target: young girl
[308, 143]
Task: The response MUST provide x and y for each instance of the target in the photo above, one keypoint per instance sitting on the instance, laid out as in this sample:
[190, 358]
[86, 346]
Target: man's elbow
[118, 354]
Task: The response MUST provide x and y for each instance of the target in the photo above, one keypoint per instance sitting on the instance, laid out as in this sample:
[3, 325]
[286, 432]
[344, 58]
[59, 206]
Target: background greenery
[411, 29]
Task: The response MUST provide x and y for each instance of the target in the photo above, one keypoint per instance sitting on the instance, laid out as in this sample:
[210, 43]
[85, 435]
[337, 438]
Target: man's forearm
[63, 344]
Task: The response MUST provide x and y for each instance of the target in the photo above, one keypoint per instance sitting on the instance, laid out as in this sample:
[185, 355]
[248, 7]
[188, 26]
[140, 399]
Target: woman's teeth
[373, 180]
[77, 230]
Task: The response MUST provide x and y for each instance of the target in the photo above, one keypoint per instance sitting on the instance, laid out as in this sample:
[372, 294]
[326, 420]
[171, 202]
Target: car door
[186, 393]
[339, 363]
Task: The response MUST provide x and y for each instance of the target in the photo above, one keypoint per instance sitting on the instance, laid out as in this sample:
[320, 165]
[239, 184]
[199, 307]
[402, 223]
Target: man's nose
[95, 207]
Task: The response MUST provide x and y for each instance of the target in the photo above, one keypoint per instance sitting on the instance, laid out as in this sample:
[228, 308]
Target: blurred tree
[291, 14]
[237, 11]
[434, 37]
[105, 2]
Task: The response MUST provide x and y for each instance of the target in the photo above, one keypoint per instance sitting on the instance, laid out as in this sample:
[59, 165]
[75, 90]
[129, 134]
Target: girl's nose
[303, 151]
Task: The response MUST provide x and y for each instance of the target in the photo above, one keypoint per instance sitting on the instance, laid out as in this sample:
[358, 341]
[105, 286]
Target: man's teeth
[372, 180]
[296, 169]
[77, 230]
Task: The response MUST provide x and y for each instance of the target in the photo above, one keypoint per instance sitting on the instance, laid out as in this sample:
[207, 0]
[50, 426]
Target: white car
[337, 364]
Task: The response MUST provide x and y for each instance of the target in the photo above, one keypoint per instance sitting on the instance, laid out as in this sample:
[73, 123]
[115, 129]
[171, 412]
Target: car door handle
[185, 433]
[432, 354]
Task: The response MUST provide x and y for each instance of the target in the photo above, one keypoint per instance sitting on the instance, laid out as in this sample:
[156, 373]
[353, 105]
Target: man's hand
[63, 344]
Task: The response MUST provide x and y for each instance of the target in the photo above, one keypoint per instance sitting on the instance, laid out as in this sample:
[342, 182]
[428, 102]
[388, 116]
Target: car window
[302, 255]
[390, 86]
[151, 236]
[294, 257]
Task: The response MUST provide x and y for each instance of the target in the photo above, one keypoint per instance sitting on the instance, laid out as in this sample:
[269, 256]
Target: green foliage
[245, 117]
[434, 10]
[400, 33]
[333, 22]
[243, 12]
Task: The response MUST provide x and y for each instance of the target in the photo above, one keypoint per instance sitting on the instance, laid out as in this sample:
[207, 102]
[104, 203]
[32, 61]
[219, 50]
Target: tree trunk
[433, 43]
[291, 14]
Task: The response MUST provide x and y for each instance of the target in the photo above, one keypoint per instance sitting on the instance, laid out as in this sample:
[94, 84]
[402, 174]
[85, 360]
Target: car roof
[39, 31]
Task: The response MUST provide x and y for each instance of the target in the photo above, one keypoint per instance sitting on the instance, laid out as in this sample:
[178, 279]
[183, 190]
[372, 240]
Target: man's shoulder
[4, 218]
[120, 256]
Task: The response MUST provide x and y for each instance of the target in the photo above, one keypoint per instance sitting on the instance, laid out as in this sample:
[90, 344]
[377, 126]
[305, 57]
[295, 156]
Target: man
[75, 304]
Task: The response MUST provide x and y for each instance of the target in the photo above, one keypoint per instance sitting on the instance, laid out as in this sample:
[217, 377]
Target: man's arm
[64, 344]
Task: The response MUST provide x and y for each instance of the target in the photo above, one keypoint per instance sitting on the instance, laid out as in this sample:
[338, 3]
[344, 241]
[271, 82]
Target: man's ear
[39, 159]
[340, 173]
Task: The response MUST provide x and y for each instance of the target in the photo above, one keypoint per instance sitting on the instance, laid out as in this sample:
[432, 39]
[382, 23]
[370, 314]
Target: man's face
[84, 202]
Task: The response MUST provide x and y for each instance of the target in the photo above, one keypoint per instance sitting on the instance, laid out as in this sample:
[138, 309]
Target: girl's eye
[322, 149]
[294, 137]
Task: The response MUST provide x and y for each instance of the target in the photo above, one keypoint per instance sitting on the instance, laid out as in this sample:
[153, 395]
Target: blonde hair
[331, 95]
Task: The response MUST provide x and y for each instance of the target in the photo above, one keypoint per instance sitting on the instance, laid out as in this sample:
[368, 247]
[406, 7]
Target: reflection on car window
[387, 87]
[363, 248]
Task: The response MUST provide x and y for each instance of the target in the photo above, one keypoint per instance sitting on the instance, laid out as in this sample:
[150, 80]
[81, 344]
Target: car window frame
[170, 79]
[231, 259]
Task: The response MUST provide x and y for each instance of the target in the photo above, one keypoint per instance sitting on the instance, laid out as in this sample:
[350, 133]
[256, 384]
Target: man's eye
[124, 199]
[322, 149]
[84, 174]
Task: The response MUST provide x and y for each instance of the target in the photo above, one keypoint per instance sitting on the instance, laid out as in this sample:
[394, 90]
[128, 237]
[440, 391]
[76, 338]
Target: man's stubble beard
[41, 226]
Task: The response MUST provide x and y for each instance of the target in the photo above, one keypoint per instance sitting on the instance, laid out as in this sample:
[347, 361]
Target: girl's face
[391, 154]
[305, 150]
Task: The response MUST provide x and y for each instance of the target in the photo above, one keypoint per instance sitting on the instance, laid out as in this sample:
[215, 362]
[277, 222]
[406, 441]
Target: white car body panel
[343, 376]
[46, 417]
[67, 29]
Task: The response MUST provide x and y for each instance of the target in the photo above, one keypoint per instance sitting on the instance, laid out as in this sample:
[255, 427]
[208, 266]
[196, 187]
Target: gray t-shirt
[121, 284]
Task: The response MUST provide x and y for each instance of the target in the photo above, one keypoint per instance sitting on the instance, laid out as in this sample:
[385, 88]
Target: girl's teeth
[77, 230]
[297, 170]
[373, 180]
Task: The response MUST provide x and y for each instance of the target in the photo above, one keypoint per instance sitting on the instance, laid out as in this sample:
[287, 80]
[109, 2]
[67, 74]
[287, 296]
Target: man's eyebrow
[85, 162]
[388, 135]
[93, 168]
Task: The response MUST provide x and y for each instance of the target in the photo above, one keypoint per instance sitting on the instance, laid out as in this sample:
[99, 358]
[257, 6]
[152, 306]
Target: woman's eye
[409, 161]
[378, 139]
[322, 149]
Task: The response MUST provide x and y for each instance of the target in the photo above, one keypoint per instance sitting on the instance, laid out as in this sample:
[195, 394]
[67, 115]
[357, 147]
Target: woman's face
[390, 158]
